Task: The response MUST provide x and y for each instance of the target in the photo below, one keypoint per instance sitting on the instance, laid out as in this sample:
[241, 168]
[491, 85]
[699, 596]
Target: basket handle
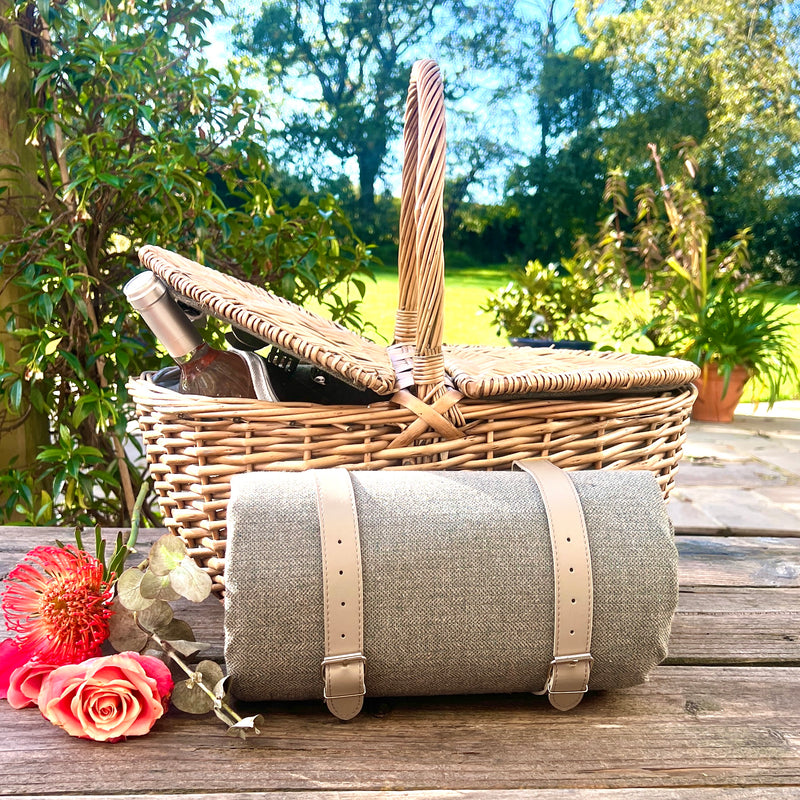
[420, 315]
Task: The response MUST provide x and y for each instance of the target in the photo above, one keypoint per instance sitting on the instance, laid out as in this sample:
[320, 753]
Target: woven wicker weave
[477, 408]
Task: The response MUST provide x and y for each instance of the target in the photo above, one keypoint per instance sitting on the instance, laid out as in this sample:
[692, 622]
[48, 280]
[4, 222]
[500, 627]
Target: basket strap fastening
[402, 358]
[568, 676]
[429, 416]
[344, 664]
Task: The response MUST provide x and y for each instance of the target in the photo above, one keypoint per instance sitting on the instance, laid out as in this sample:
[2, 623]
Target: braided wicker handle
[420, 316]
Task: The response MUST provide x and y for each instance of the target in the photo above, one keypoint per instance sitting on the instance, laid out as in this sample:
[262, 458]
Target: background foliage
[137, 140]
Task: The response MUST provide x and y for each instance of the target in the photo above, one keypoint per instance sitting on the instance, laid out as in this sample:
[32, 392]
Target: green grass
[467, 289]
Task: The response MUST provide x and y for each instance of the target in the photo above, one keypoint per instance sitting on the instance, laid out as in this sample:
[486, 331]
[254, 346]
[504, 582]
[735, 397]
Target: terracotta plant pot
[711, 405]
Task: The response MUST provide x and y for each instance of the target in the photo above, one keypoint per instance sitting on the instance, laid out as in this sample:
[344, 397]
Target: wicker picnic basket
[440, 407]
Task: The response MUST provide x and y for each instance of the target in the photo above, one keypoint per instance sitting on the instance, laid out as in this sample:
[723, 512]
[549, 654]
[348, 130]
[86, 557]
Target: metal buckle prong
[345, 658]
[572, 659]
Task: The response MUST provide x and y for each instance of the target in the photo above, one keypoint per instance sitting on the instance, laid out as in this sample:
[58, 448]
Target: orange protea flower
[56, 602]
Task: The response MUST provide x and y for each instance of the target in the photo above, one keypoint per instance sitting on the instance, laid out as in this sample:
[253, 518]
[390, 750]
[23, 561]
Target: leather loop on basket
[402, 357]
[344, 662]
[430, 416]
[568, 676]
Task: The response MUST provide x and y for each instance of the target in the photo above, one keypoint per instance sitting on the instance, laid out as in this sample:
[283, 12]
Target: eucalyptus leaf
[156, 616]
[123, 632]
[129, 590]
[185, 648]
[211, 671]
[190, 581]
[248, 726]
[157, 587]
[177, 630]
[221, 688]
[166, 554]
[189, 697]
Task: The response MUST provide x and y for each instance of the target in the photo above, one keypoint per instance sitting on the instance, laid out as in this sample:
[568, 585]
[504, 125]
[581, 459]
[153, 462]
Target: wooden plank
[737, 626]
[724, 624]
[704, 560]
[718, 793]
[687, 727]
[713, 626]
[738, 561]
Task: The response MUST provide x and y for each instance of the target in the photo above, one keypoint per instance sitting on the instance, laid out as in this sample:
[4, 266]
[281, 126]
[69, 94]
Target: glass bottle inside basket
[203, 369]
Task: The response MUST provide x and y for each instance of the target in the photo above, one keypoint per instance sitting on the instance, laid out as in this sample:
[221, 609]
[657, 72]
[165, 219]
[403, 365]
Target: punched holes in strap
[568, 676]
[344, 662]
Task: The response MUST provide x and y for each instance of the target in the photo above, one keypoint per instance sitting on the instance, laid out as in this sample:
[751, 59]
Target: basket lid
[278, 321]
[484, 372]
[477, 371]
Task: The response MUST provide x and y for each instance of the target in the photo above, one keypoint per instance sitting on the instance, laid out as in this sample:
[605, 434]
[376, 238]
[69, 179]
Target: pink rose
[26, 683]
[12, 656]
[107, 698]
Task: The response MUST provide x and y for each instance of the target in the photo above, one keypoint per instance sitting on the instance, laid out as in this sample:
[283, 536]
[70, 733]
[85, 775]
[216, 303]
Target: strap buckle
[571, 660]
[346, 658]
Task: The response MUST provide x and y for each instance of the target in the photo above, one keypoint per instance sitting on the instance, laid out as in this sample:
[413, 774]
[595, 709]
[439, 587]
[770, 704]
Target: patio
[721, 712]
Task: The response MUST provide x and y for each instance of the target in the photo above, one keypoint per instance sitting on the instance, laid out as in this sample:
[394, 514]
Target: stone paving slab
[737, 512]
[743, 477]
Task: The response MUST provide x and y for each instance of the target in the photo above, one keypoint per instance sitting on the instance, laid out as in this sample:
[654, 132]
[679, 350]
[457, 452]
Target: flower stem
[197, 677]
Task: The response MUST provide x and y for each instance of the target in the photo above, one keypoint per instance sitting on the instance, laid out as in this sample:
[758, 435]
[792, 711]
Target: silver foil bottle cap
[143, 290]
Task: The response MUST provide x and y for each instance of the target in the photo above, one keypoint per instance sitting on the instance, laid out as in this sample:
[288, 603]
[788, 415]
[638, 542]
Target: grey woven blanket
[458, 582]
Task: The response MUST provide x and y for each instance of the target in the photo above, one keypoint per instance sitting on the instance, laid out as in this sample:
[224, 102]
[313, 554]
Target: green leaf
[184, 647]
[189, 697]
[190, 581]
[211, 671]
[166, 554]
[157, 587]
[129, 590]
[15, 395]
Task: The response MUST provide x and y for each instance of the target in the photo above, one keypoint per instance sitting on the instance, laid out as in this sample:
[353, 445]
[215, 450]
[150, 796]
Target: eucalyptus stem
[219, 703]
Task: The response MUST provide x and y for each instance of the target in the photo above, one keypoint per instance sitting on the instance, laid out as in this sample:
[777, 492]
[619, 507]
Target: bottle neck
[172, 328]
[193, 355]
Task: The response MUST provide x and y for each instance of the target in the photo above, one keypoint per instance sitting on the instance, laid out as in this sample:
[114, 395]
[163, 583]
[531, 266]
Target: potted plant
[698, 309]
[732, 338]
[547, 305]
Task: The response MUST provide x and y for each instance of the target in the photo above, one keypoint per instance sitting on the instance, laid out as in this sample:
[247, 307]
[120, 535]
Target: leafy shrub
[553, 301]
[138, 141]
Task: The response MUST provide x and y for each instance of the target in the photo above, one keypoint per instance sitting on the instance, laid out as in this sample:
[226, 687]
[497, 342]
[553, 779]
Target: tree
[726, 75]
[558, 192]
[344, 66]
[135, 143]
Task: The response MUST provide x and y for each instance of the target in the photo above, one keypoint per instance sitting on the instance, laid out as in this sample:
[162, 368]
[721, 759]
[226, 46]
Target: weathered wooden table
[723, 711]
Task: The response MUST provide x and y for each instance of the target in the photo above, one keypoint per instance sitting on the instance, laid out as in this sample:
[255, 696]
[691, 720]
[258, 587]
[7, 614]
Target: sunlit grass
[466, 291]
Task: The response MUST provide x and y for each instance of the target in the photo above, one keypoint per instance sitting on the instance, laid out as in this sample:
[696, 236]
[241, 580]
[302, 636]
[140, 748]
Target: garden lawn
[467, 289]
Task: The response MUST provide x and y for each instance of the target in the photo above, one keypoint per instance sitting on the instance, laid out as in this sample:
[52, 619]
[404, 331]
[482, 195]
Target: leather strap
[568, 677]
[343, 665]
